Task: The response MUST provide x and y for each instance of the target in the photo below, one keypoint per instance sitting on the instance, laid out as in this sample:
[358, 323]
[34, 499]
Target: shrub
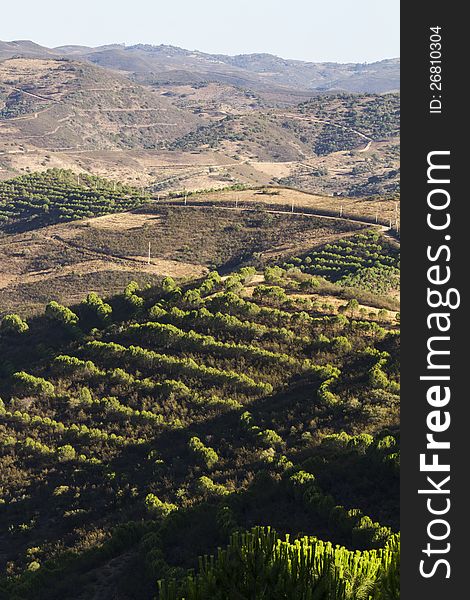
[377, 378]
[62, 314]
[341, 344]
[30, 384]
[13, 324]
[158, 507]
[208, 487]
[169, 285]
[66, 453]
[270, 438]
[208, 456]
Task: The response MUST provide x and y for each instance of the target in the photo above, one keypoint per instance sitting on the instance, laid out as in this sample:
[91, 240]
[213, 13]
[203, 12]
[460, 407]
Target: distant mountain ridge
[258, 71]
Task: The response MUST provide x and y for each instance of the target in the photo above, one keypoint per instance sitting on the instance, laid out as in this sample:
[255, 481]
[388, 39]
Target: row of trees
[344, 258]
[60, 195]
[181, 367]
[195, 428]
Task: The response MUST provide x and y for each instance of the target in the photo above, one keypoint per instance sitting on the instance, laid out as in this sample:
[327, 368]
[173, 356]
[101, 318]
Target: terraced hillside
[57, 104]
[144, 430]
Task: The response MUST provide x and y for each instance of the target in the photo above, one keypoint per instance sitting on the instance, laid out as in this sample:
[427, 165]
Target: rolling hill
[60, 104]
[257, 71]
[62, 236]
[199, 326]
[171, 132]
[254, 412]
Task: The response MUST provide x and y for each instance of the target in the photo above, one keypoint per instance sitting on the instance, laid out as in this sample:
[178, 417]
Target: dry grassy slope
[57, 104]
[66, 261]
[208, 168]
[61, 113]
[355, 208]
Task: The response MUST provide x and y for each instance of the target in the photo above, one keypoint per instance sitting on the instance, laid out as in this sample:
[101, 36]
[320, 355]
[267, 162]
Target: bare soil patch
[121, 221]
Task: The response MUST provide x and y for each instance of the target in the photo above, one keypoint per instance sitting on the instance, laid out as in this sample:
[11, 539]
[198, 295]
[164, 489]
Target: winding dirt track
[30, 94]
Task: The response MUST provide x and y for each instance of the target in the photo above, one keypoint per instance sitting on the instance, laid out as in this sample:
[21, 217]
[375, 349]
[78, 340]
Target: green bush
[205, 454]
[13, 324]
[157, 507]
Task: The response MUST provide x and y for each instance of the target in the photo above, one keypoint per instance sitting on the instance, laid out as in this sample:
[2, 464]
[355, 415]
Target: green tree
[271, 293]
[352, 307]
[192, 299]
[207, 455]
[30, 384]
[62, 314]
[158, 507]
[94, 312]
[341, 344]
[377, 378]
[13, 324]
[207, 487]
[66, 453]
[168, 284]
[270, 438]
[134, 302]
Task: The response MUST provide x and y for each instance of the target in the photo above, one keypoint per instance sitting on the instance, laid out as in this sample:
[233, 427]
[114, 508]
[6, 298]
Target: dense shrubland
[160, 424]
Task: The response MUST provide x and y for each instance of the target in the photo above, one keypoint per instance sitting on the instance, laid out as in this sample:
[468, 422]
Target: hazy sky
[327, 30]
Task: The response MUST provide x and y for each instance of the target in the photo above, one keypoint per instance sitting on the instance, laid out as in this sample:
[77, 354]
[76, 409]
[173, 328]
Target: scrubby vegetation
[339, 122]
[365, 260]
[375, 115]
[155, 426]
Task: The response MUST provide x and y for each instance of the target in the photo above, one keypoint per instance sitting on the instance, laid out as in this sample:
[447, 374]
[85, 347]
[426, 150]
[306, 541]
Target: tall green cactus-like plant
[260, 565]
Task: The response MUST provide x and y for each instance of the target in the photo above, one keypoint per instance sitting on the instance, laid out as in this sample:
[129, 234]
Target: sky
[312, 30]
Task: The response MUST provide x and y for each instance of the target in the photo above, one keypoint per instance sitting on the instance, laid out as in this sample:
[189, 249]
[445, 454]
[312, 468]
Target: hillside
[144, 430]
[58, 104]
[62, 235]
[321, 126]
[58, 112]
[199, 325]
[256, 71]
